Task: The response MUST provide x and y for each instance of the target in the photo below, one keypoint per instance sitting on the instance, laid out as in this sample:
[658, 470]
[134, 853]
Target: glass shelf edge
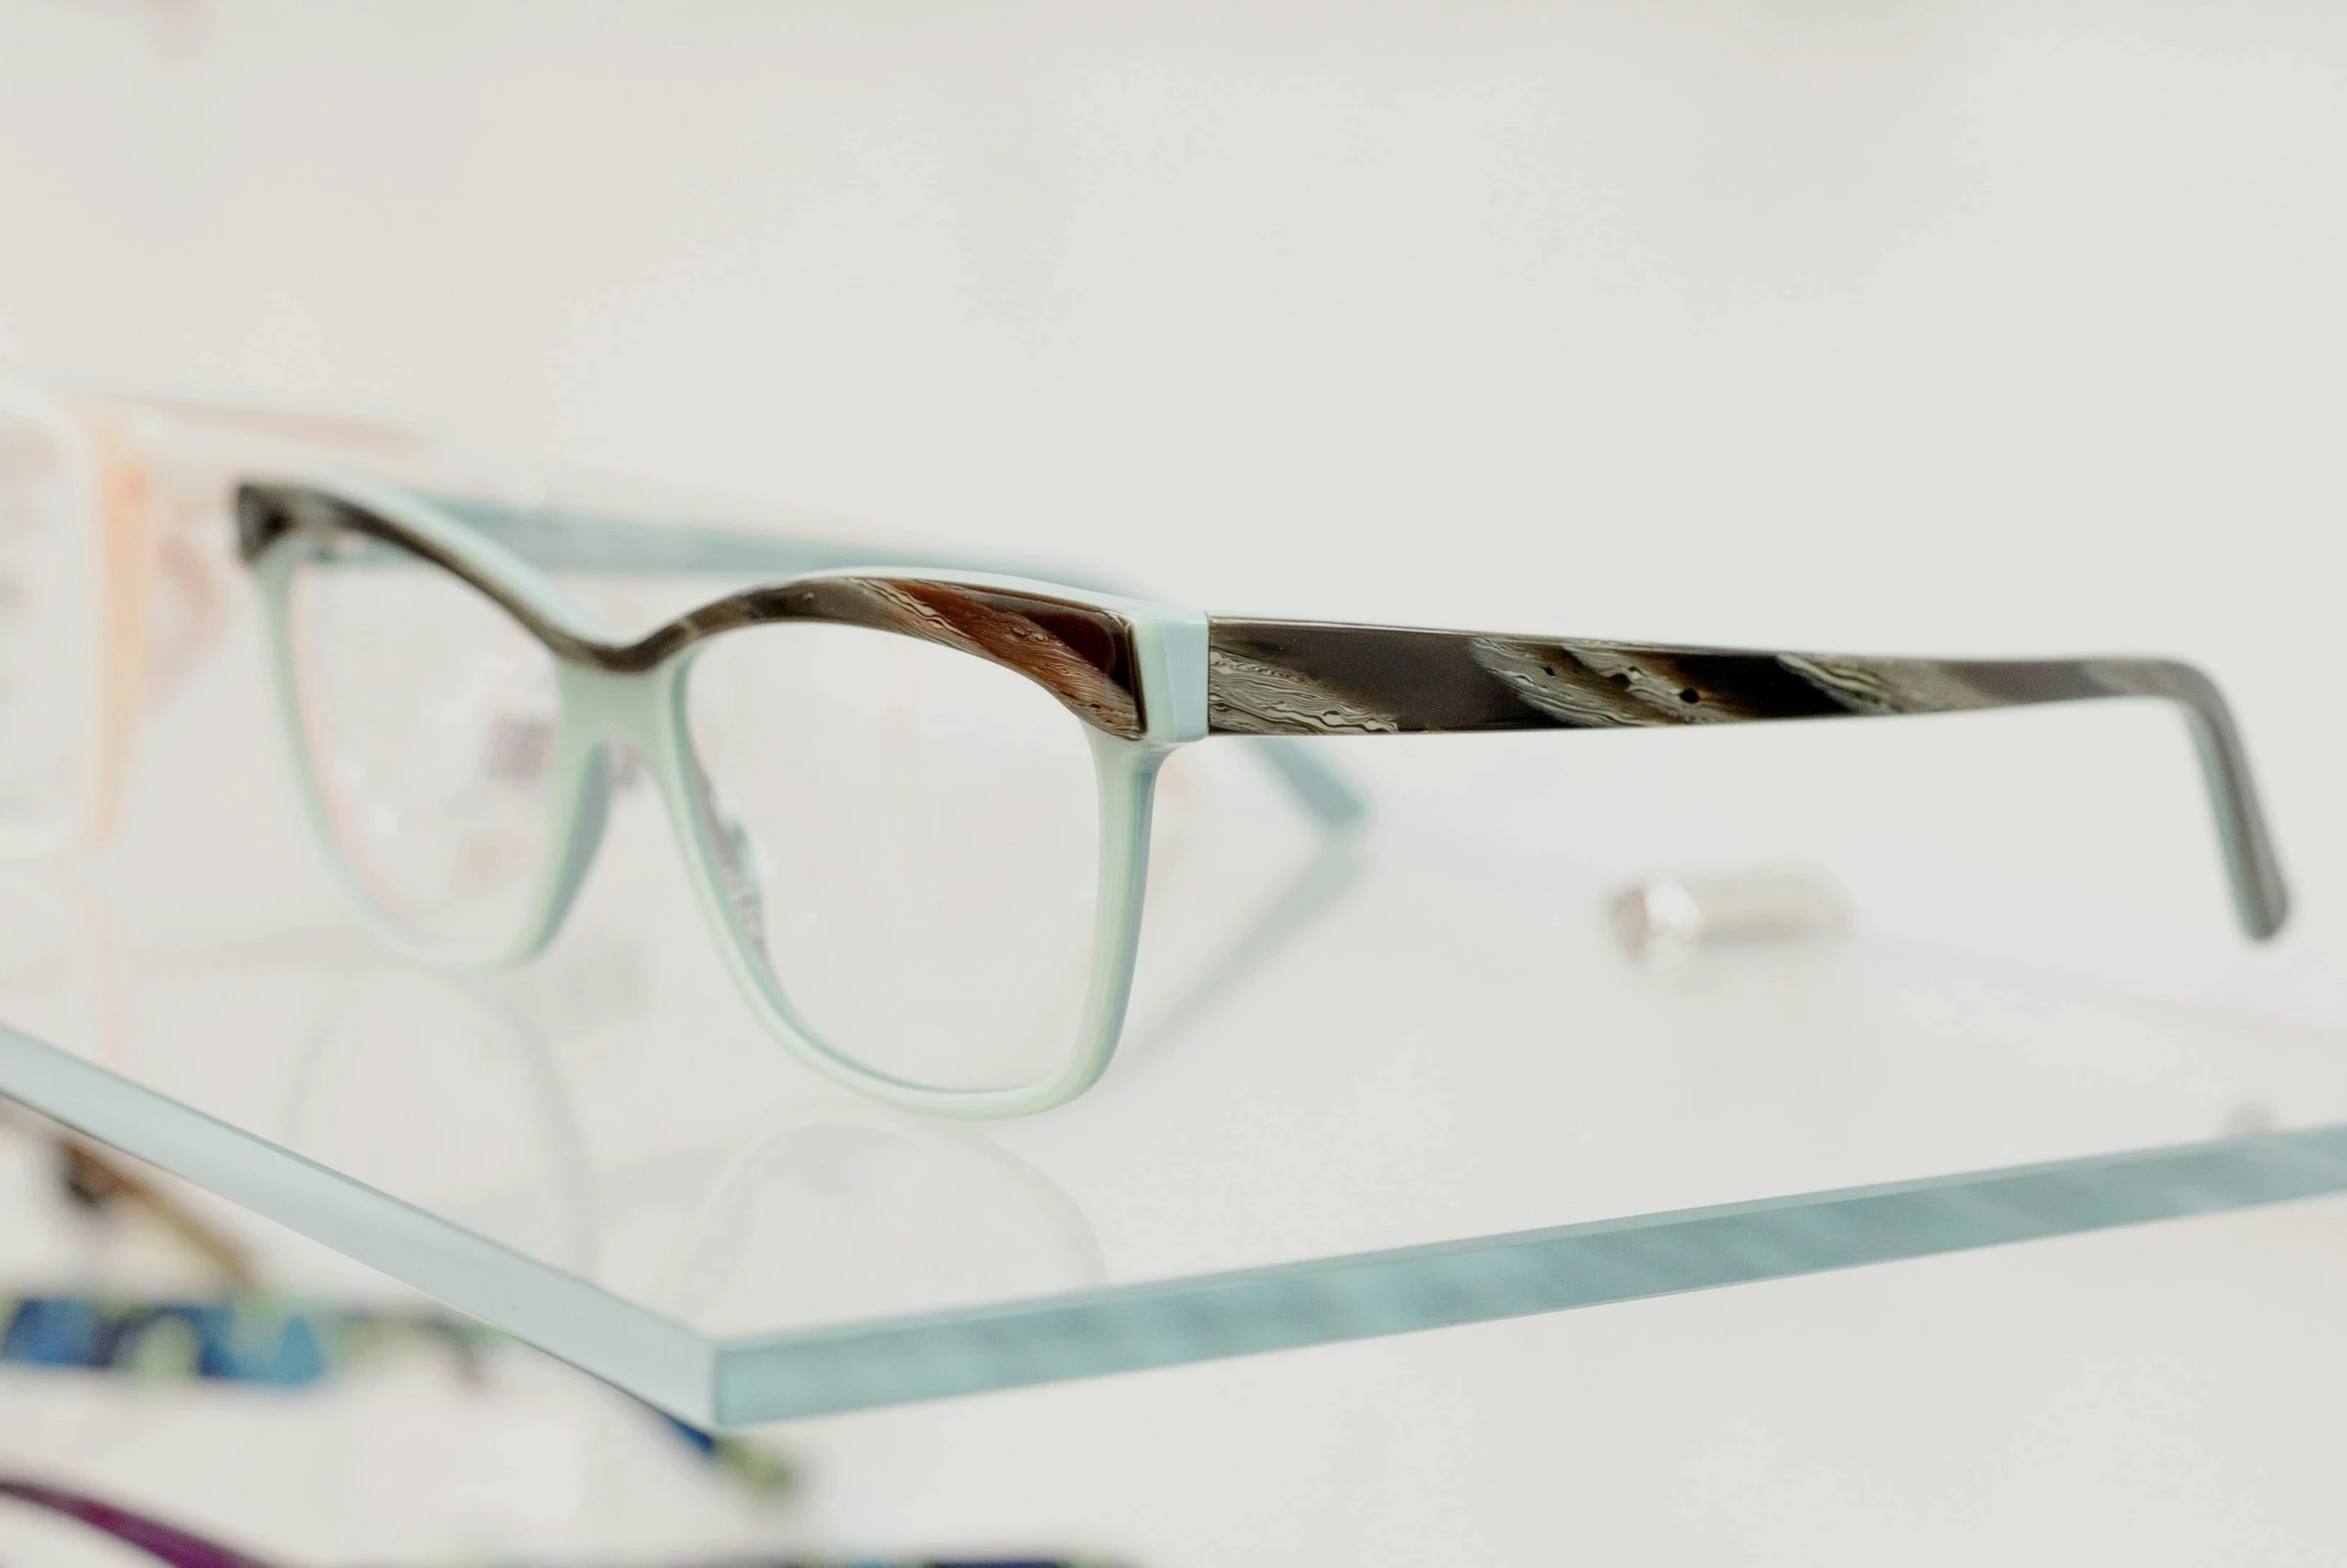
[812, 1372]
[656, 1358]
[1483, 1279]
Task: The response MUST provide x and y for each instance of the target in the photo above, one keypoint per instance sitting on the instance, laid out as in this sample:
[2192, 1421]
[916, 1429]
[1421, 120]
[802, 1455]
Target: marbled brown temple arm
[1313, 677]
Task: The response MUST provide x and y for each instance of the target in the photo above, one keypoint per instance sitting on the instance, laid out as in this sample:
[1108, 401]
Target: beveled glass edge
[1485, 1278]
[662, 1362]
[734, 1381]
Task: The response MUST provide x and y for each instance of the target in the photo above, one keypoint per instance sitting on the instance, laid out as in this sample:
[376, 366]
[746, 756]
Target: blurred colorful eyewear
[113, 579]
[250, 1336]
[915, 802]
[179, 1548]
[290, 1344]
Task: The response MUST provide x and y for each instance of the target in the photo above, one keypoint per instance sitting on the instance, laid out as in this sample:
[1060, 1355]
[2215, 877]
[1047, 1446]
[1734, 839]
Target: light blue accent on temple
[560, 541]
[709, 1380]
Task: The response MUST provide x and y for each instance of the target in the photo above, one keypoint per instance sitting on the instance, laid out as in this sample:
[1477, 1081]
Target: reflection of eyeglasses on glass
[111, 574]
[177, 1548]
[926, 877]
[248, 1335]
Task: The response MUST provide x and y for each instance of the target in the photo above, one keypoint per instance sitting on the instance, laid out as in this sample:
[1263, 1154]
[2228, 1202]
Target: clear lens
[912, 836]
[50, 632]
[429, 718]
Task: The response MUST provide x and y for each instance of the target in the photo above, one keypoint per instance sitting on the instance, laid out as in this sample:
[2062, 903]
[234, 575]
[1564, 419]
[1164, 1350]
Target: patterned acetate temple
[1136, 678]
[1309, 677]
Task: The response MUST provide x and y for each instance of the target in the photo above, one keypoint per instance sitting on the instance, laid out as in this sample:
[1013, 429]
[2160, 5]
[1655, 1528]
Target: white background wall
[1895, 327]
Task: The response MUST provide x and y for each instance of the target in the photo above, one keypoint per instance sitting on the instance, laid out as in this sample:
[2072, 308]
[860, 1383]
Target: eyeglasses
[914, 802]
[113, 568]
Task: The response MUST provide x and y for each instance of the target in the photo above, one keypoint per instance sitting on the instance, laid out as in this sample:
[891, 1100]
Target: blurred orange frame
[154, 480]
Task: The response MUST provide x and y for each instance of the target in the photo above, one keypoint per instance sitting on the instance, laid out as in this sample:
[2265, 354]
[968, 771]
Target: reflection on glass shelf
[1375, 1079]
[400, 1061]
[900, 1216]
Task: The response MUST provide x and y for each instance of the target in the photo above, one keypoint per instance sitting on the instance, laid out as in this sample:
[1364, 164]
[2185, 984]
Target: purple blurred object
[175, 1547]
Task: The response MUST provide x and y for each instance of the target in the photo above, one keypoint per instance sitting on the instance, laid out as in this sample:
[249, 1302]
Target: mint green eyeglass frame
[1143, 678]
[633, 695]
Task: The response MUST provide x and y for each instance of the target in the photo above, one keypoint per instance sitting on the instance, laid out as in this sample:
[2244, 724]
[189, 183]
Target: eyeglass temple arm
[165, 1543]
[1274, 678]
[561, 540]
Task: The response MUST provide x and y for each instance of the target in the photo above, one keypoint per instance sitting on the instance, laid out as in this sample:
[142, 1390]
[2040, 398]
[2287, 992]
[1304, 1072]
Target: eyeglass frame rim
[633, 692]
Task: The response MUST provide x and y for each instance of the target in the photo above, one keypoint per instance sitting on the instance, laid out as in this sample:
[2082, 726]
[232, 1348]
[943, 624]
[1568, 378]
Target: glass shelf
[1381, 1081]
